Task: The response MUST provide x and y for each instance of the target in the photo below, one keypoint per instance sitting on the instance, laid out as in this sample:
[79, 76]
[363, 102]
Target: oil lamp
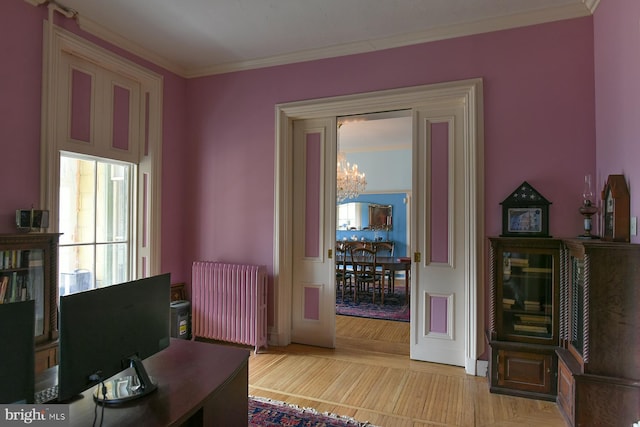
[588, 209]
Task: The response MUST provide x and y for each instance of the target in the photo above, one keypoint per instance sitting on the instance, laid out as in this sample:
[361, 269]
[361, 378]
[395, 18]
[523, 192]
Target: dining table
[391, 264]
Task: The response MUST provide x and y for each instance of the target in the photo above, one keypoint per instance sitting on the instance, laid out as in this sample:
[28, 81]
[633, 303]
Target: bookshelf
[598, 363]
[523, 332]
[28, 270]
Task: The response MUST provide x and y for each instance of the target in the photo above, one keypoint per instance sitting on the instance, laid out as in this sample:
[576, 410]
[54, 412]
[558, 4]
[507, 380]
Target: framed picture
[525, 213]
[524, 220]
[178, 292]
[32, 219]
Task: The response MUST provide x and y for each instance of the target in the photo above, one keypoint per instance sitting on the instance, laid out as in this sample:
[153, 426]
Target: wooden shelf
[39, 281]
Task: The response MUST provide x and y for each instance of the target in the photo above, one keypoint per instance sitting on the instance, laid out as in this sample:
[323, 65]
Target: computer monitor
[17, 366]
[107, 330]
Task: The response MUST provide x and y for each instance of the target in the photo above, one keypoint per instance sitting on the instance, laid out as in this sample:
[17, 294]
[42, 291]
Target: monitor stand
[127, 387]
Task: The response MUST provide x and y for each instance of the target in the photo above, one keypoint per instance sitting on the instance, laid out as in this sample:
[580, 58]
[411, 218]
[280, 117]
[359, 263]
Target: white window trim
[131, 229]
[147, 244]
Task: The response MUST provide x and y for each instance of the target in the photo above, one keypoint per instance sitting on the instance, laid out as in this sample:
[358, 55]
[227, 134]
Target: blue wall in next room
[398, 233]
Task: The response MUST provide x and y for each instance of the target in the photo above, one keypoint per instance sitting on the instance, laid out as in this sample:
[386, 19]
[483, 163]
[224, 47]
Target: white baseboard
[275, 339]
[482, 367]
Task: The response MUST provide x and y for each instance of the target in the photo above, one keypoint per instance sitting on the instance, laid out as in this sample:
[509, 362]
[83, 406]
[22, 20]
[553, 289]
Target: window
[349, 216]
[101, 163]
[95, 219]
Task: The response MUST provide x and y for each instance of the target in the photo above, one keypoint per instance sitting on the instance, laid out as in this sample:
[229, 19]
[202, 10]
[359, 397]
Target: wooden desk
[199, 384]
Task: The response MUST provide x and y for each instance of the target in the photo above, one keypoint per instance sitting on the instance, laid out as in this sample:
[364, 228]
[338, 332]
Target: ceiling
[385, 131]
[203, 37]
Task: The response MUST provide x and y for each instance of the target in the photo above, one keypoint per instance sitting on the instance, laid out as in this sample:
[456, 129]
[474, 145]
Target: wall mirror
[379, 217]
[363, 216]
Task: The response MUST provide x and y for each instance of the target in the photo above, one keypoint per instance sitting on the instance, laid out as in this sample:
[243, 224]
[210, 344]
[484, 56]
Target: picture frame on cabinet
[524, 220]
[178, 292]
[525, 213]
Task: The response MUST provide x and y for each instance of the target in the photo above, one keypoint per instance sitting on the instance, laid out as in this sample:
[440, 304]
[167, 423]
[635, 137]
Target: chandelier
[349, 182]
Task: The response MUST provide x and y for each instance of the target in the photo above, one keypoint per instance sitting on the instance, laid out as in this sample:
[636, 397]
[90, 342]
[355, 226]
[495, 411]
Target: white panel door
[438, 215]
[313, 284]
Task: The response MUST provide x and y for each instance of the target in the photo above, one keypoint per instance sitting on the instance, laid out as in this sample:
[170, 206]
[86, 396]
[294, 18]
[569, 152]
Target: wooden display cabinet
[523, 333]
[599, 367]
[28, 270]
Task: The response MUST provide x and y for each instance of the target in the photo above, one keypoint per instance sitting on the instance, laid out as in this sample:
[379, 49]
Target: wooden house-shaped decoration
[616, 208]
[525, 213]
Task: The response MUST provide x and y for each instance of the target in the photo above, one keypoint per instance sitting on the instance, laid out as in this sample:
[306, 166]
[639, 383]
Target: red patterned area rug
[267, 412]
[395, 306]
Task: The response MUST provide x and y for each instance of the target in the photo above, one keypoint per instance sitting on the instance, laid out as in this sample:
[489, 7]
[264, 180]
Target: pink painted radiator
[229, 302]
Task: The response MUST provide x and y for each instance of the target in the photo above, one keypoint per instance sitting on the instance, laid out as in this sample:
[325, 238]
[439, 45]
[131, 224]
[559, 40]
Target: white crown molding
[115, 39]
[585, 8]
[109, 36]
[466, 29]
[592, 5]
[486, 26]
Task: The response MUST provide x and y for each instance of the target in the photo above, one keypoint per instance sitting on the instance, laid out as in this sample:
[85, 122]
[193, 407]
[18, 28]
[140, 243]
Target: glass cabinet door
[527, 295]
[22, 279]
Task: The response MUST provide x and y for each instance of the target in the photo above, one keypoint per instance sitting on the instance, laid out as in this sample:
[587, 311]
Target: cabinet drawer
[525, 371]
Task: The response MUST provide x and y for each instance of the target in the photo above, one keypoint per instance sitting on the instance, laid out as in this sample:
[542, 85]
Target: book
[15, 259]
[6, 259]
[13, 286]
[536, 270]
[534, 318]
[520, 327]
[4, 282]
[519, 262]
[35, 259]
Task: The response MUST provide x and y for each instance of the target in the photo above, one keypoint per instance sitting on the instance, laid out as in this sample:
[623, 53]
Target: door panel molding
[313, 285]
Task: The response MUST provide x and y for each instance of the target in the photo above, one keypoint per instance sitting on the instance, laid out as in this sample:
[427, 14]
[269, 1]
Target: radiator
[229, 302]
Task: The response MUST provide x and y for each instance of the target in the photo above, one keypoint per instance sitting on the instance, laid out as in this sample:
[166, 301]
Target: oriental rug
[395, 306]
[270, 413]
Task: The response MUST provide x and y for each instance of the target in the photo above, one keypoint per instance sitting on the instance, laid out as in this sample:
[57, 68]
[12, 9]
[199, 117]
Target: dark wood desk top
[189, 376]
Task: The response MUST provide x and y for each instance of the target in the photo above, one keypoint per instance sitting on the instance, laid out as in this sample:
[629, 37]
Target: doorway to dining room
[377, 214]
[446, 218]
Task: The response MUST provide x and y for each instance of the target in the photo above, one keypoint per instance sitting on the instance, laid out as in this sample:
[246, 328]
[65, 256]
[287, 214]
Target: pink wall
[20, 98]
[617, 88]
[20, 81]
[218, 134]
[539, 127]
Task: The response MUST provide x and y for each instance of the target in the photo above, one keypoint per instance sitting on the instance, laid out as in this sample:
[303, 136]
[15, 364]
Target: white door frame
[396, 99]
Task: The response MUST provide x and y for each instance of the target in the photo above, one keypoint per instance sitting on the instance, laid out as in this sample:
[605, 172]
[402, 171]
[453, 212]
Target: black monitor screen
[17, 366]
[104, 330]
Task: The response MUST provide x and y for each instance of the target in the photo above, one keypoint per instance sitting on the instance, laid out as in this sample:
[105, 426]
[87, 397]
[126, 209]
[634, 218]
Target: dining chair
[365, 274]
[343, 272]
[385, 249]
[354, 244]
